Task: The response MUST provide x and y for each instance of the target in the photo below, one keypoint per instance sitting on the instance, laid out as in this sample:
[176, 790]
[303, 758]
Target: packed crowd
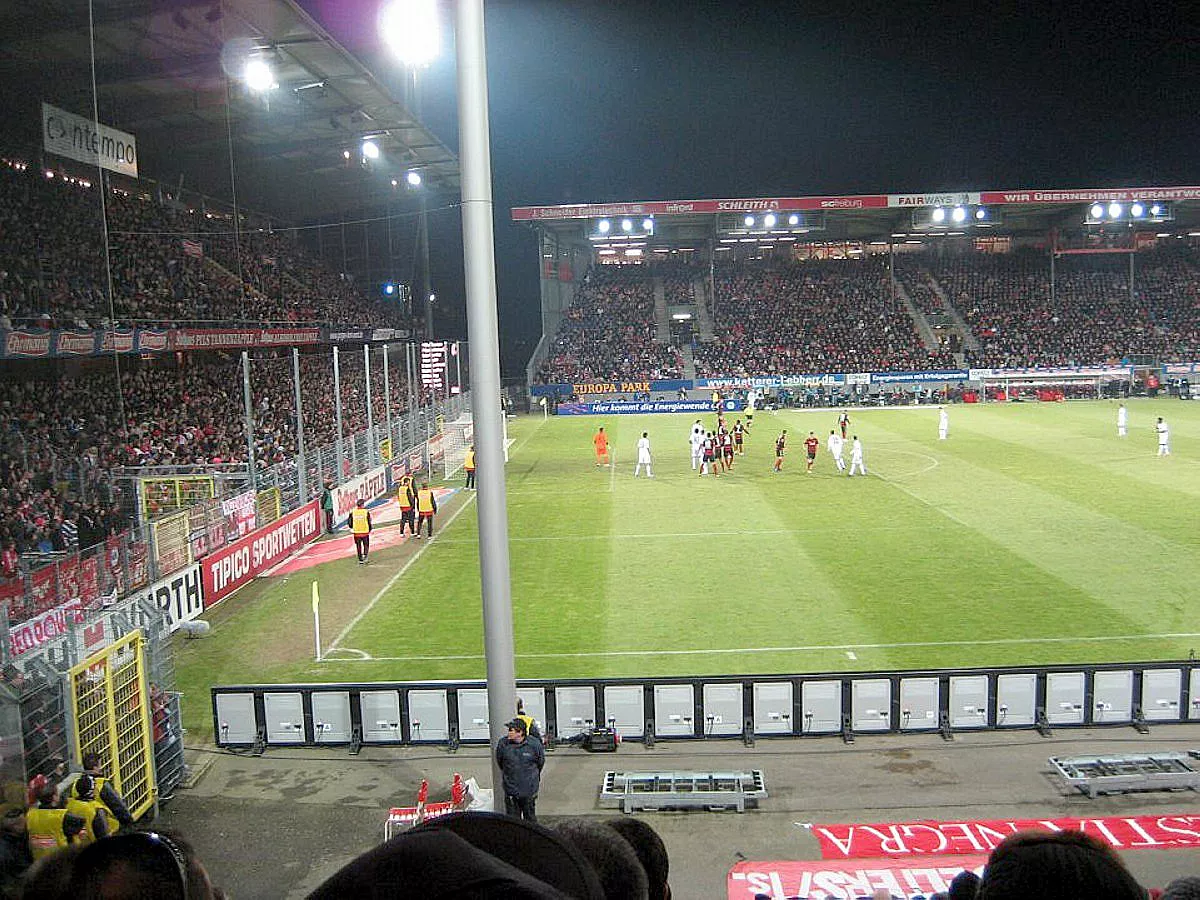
[813, 316]
[609, 333]
[919, 286]
[1088, 319]
[54, 460]
[169, 264]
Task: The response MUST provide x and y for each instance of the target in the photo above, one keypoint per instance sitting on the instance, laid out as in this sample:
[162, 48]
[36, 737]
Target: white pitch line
[807, 648]
[391, 581]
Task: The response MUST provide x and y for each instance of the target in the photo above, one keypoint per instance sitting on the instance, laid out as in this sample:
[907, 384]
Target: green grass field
[1032, 535]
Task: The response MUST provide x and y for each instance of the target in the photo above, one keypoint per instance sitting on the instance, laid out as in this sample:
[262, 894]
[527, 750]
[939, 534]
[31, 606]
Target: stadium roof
[872, 216]
[159, 69]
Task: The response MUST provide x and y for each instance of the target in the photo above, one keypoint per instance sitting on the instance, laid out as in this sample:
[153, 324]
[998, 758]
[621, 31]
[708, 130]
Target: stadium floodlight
[413, 178]
[627, 225]
[939, 215]
[258, 75]
[370, 149]
[389, 288]
[749, 221]
[981, 214]
[1137, 210]
[647, 224]
[395, 183]
[1156, 210]
[959, 214]
[604, 226]
[769, 220]
[793, 219]
[345, 154]
[411, 30]
[1097, 211]
[1115, 210]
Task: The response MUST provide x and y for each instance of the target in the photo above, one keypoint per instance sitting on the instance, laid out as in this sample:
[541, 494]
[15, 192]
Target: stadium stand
[608, 333]
[170, 264]
[814, 316]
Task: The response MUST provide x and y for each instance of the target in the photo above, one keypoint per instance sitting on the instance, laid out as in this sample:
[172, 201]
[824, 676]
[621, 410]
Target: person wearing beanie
[520, 757]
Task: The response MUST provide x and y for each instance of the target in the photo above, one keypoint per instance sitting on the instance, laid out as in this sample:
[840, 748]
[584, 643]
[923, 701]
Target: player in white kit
[1122, 420]
[1164, 437]
[856, 457]
[943, 424]
[643, 449]
[834, 445]
[697, 444]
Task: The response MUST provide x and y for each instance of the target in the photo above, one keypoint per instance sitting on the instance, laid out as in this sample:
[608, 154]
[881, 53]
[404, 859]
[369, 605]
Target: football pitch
[1033, 535]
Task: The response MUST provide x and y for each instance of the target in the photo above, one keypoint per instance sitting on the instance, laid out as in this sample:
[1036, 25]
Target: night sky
[645, 101]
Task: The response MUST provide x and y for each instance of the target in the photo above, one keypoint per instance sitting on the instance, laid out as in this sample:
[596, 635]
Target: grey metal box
[235, 719]
[821, 707]
[1160, 694]
[1016, 699]
[284, 713]
[919, 706]
[625, 709]
[380, 716]
[674, 710]
[1112, 697]
[428, 715]
[773, 707]
[968, 701]
[575, 708]
[722, 709]
[1064, 698]
[871, 704]
[331, 717]
[473, 722]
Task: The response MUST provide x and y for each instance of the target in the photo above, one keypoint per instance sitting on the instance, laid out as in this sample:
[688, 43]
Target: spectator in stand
[1066, 865]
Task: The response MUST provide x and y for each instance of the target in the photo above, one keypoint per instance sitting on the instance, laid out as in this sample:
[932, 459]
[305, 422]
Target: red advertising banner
[43, 628]
[112, 561]
[901, 839]
[42, 590]
[691, 207]
[89, 580]
[116, 342]
[27, 343]
[231, 567]
[139, 564]
[801, 880]
[68, 578]
[1090, 195]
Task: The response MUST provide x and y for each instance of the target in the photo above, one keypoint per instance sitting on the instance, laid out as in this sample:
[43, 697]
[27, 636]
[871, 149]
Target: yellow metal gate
[111, 707]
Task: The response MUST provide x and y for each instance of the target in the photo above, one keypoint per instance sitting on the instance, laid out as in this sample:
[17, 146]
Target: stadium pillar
[1132, 292]
[408, 388]
[372, 444]
[387, 399]
[337, 414]
[250, 467]
[301, 465]
[1053, 257]
[483, 334]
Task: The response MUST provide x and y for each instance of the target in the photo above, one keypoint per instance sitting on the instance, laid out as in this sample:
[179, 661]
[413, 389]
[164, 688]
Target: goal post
[457, 437]
[1054, 384]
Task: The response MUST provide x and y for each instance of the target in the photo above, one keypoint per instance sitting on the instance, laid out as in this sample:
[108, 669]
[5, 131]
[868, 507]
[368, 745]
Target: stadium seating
[53, 273]
[608, 333]
[811, 317]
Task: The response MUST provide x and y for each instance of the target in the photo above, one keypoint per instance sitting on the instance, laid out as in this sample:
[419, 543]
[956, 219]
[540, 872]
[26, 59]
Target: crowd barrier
[742, 707]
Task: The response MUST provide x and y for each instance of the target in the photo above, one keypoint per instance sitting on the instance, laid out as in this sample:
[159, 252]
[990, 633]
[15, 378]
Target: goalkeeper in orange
[600, 443]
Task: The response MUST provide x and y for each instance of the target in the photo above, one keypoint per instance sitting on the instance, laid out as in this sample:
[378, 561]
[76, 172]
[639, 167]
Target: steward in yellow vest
[469, 467]
[407, 498]
[360, 524]
[92, 811]
[50, 827]
[426, 507]
[104, 792]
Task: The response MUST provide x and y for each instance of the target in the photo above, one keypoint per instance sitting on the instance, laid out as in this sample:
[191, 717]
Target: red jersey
[727, 444]
[810, 445]
[708, 447]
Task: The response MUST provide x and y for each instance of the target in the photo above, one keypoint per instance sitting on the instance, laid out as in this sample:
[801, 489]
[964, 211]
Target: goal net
[457, 437]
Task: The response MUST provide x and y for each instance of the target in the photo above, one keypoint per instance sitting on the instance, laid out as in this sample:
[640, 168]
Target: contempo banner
[627, 408]
[232, 567]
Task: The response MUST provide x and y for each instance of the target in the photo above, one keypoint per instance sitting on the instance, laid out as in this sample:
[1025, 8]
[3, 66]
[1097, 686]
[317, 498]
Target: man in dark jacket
[520, 757]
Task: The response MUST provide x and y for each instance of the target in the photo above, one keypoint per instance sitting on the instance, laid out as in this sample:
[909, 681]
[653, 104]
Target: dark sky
[641, 101]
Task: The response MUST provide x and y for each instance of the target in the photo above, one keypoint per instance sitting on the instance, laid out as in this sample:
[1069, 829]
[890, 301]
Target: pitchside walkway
[276, 826]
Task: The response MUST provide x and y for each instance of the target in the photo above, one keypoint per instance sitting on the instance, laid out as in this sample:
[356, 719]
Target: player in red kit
[811, 444]
[780, 447]
[844, 423]
[727, 450]
[739, 432]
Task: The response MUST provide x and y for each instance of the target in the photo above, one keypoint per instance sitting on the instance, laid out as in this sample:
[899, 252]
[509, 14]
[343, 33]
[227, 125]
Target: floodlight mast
[410, 28]
[483, 334]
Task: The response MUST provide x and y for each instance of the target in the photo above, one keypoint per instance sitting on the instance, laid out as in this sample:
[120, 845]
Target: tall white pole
[483, 335]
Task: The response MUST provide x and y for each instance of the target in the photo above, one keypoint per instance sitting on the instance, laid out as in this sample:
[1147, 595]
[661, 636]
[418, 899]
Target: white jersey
[1164, 434]
[1122, 417]
[944, 420]
[856, 451]
[834, 444]
[643, 450]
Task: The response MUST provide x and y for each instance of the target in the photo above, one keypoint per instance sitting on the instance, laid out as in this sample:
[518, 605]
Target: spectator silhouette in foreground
[1065, 865]
[650, 850]
[613, 858]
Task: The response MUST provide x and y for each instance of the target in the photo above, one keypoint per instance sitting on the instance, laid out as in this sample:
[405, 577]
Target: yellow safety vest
[98, 783]
[425, 501]
[45, 827]
[469, 462]
[402, 496]
[359, 521]
[86, 810]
